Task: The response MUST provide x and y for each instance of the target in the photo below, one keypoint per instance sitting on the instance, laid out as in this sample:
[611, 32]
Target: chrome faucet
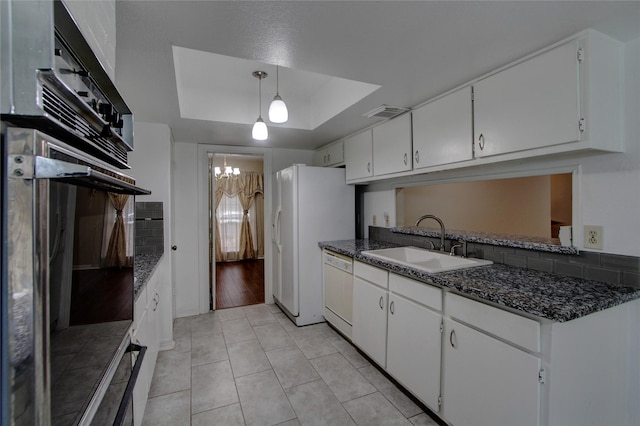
[437, 219]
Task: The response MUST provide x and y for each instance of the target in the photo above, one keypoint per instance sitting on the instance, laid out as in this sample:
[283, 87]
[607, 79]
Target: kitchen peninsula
[496, 344]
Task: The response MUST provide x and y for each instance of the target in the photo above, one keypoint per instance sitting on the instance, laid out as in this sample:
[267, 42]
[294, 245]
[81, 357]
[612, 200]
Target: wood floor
[239, 283]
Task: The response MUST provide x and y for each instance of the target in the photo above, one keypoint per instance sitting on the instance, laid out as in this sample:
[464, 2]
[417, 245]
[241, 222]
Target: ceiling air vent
[385, 111]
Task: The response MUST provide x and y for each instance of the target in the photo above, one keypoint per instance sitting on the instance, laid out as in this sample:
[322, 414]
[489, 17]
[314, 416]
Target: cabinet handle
[380, 303]
[405, 158]
[391, 308]
[324, 159]
[369, 167]
[417, 157]
[481, 141]
[329, 158]
[452, 336]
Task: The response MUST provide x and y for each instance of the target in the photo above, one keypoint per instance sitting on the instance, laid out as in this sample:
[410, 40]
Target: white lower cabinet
[490, 366]
[488, 382]
[370, 319]
[152, 313]
[396, 323]
[413, 348]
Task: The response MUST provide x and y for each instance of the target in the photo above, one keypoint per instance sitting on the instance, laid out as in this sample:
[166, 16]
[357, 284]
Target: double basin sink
[425, 260]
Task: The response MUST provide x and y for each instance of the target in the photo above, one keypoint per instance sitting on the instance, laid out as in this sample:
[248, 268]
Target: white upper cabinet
[567, 98]
[329, 155]
[443, 130]
[392, 146]
[358, 156]
[530, 105]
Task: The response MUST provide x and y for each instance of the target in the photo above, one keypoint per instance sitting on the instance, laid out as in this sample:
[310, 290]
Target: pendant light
[278, 112]
[260, 131]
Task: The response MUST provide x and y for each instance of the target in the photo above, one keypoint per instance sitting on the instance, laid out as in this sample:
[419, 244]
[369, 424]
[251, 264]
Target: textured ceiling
[413, 50]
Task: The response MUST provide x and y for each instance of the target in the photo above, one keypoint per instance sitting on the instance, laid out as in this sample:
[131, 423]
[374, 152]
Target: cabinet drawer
[418, 292]
[517, 329]
[372, 274]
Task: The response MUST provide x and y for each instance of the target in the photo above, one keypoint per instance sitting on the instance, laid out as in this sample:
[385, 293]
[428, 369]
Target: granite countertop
[144, 266]
[551, 245]
[541, 294]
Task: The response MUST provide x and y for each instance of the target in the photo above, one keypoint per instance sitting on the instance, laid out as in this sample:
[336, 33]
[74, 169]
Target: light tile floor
[253, 366]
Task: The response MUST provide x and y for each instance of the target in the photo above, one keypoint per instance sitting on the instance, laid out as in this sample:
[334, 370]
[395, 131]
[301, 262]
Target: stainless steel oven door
[60, 356]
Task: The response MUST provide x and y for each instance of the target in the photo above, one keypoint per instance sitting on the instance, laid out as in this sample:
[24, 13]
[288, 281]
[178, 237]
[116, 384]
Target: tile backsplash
[149, 227]
[610, 268]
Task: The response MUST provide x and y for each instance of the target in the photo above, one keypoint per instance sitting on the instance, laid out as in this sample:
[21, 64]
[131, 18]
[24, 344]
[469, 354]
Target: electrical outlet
[593, 237]
[375, 220]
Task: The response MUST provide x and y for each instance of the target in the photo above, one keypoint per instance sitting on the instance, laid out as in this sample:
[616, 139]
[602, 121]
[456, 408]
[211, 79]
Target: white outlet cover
[593, 237]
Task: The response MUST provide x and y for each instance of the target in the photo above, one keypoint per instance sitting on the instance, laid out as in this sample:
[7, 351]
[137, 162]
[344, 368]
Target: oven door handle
[131, 383]
[38, 167]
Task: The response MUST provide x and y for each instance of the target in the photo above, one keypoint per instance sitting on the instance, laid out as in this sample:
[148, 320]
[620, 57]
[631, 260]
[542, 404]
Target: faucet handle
[462, 244]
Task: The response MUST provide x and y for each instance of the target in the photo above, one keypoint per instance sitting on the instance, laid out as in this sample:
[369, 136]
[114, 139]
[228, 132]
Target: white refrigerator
[313, 204]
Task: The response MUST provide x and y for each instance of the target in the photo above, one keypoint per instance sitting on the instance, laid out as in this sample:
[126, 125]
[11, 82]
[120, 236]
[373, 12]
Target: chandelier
[228, 170]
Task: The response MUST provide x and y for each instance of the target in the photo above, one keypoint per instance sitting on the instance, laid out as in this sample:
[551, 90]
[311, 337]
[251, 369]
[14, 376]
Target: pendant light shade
[278, 112]
[260, 131]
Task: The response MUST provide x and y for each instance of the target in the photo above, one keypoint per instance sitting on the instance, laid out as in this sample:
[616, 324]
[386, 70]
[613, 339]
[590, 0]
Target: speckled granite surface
[145, 264]
[551, 245]
[542, 294]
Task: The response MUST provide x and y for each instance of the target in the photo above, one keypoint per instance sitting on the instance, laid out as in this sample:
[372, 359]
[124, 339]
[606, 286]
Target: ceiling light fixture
[260, 131]
[278, 112]
[228, 170]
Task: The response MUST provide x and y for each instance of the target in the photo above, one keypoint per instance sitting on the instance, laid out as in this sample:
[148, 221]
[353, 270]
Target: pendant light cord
[260, 96]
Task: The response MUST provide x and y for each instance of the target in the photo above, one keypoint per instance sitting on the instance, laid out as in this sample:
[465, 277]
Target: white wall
[379, 204]
[191, 280]
[151, 167]
[609, 184]
[97, 22]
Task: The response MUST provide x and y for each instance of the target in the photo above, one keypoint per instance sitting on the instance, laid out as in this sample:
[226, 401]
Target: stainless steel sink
[425, 260]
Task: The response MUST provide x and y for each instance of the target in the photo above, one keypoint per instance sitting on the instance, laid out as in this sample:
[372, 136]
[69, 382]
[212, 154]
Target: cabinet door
[335, 153]
[530, 105]
[442, 130]
[413, 348]
[392, 146]
[486, 381]
[370, 319]
[320, 157]
[153, 321]
[358, 156]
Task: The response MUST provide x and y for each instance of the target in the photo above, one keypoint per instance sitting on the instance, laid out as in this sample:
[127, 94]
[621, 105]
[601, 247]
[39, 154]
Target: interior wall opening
[533, 206]
[236, 230]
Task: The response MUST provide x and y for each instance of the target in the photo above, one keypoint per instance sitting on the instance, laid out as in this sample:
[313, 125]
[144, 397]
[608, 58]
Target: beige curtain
[219, 194]
[117, 250]
[245, 187]
[250, 184]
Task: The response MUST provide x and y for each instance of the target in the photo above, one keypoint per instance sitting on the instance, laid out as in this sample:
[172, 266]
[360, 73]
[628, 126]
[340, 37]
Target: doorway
[236, 230]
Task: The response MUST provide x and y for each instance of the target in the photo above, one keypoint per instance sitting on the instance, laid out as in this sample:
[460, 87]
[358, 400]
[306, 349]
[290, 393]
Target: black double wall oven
[67, 228]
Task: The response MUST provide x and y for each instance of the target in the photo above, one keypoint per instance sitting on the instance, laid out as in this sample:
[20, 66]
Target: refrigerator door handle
[276, 230]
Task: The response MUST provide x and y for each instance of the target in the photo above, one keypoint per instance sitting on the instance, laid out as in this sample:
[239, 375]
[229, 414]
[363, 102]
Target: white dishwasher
[338, 291]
